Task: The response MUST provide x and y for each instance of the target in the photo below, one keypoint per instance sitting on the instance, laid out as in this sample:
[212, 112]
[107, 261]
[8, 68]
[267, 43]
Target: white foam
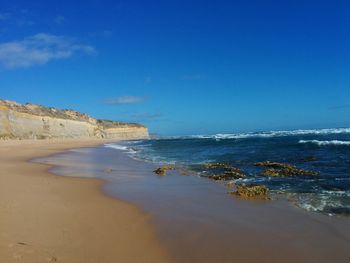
[269, 134]
[117, 146]
[323, 143]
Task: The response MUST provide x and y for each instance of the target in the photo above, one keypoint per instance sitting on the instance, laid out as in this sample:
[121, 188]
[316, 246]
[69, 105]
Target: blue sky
[182, 67]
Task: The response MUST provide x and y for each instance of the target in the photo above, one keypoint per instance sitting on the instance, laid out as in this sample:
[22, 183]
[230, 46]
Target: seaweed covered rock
[269, 164]
[227, 175]
[215, 165]
[288, 172]
[275, 169]
[163, 169]
[222, 171]
[251, 191]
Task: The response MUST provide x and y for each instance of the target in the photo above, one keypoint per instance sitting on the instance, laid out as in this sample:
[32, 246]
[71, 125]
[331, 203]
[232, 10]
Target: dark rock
[162, 170]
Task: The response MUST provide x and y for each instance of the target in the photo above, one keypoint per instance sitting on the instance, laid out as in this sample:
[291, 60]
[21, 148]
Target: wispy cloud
[39, 49]
[59, 20]
[125, 100]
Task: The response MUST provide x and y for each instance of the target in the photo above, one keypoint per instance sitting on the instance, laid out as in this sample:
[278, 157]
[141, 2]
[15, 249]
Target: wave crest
[116, 146]
[323, 143]
[269, 134]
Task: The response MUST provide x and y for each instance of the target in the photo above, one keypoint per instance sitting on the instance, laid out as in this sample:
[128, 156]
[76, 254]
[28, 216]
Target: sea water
[326, 151]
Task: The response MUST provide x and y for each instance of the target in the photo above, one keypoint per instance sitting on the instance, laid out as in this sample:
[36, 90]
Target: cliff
[31, 121]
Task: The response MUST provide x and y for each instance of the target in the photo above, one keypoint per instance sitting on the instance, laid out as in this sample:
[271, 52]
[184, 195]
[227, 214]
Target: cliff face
[30, 121]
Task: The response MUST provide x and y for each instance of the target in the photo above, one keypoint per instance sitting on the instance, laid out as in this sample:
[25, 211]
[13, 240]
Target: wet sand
[47, 218]
[198, 221]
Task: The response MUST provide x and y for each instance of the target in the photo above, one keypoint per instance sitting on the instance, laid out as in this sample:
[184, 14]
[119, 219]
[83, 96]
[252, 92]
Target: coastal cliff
[31, 121]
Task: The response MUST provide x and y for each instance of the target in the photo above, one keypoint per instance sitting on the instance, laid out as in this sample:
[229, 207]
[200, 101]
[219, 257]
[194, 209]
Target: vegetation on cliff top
[39, 110]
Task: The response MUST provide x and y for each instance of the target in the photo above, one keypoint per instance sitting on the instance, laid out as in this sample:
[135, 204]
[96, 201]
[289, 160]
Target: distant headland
[32, 121]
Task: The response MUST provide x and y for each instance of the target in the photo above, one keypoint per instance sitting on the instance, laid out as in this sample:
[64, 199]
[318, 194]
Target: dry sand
[47, 218]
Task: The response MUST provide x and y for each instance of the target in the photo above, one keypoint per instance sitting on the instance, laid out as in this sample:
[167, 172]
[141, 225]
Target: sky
[182, 67]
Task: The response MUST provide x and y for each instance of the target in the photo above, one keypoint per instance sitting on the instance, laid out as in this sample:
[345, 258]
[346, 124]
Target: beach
[195, 218]
[80, 201]
[174, 131]
[47, 218]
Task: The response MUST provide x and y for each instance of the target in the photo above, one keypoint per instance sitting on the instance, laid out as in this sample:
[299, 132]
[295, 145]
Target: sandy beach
[47, 218]
[134, 216]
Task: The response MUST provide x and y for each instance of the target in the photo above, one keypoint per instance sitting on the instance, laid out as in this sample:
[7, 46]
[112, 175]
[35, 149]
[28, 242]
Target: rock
[283, 169]
[215, 165]
[271, 172]
[163, 169]
[288, 172]
[221, 171]
[251, 191]
[269, 164]
[227, 175]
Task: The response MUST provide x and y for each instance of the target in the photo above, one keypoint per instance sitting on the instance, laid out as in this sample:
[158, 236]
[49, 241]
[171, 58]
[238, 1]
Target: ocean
[325, 151]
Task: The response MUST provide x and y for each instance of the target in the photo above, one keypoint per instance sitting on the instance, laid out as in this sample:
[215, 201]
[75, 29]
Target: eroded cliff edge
[31, 121]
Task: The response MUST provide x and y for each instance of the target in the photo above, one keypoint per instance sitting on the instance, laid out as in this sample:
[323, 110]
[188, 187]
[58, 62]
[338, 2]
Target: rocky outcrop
[222, 172]
[161, 171]
[251, 191]
[31, 121]
[275, 169]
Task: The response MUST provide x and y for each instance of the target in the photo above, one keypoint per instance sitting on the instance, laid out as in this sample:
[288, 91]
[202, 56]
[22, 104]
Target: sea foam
[116, 146]
[323, 143]
[269, 134]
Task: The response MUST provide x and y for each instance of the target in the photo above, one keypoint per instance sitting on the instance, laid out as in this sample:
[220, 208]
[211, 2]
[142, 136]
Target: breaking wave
[323, 143]
[270, 134]
[127, 149]
[116, 146]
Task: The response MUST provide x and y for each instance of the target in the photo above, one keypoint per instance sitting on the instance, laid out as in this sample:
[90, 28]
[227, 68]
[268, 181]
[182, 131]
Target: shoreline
[197, 221]
[49, 218]
[125, 213]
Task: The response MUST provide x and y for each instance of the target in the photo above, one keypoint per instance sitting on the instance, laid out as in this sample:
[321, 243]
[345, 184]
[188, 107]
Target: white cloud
[39, 49]
[126, 100]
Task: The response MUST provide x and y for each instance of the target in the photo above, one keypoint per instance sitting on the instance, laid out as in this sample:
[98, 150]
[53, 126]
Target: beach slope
[47, 218]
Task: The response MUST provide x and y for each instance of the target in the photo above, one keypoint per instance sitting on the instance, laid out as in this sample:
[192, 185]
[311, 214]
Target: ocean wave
[324, 143]
[327, 204]
[130, 150]
[117, 146]
[267, 134]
